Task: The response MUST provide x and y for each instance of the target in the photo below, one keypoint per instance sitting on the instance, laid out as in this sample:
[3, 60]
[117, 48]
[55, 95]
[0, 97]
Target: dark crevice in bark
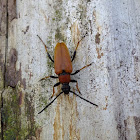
[4, 84]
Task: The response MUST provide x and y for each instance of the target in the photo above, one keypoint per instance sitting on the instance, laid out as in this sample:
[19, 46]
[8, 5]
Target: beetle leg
[81, 69]
[84, 98]
[74, 81]
[48, 77]
[57, 84]
[46, 49]
[51, 102]
[74, 54]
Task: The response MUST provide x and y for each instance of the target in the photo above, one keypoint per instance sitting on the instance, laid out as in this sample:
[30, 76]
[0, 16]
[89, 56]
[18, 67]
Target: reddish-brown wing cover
[62, 60]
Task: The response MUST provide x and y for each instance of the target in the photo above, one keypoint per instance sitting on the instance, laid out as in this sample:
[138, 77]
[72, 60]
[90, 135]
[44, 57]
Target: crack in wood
[8, 13]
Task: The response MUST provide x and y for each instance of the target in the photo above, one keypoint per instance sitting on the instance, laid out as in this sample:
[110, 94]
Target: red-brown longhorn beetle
[63, 68]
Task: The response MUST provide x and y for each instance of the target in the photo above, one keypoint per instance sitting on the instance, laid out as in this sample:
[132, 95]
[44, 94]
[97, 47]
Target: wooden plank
[112, 81]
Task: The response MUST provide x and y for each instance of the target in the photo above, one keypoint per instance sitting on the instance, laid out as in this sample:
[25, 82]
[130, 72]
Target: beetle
[63, 68]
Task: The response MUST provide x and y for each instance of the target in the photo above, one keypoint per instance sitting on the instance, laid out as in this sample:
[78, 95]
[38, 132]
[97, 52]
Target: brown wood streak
[12, 13]
[3, 17]
[12, 75]
[65, 123]
[3, 32]
[7, 12]
[2, 35]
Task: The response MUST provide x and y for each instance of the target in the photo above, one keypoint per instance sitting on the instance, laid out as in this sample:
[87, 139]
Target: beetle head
[65, 88]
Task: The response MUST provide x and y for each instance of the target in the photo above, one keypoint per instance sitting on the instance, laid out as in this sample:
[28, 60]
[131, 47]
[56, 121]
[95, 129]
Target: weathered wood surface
[112, 82]
[3, 33]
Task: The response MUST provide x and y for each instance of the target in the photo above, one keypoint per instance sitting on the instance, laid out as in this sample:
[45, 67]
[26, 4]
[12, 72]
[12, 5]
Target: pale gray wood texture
[112, 81]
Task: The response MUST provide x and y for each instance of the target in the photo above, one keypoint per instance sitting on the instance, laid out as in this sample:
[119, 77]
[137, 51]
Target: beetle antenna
[84, 99]
[50, 102]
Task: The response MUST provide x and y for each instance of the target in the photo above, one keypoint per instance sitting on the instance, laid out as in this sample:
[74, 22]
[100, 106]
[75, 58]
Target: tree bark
[112, 43]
